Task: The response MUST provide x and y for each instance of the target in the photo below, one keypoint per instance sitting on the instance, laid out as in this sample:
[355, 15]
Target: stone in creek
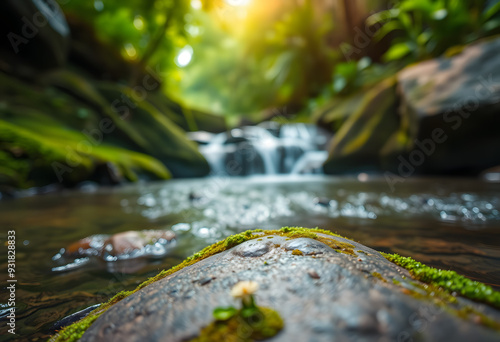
[322, 201]
[122, 245]
[325, 297]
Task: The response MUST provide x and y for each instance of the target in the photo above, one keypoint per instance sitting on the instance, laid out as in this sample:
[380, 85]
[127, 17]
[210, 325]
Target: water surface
[447, 223]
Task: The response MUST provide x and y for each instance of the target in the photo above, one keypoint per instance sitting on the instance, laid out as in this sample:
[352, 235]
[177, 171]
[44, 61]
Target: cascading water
[268, 148]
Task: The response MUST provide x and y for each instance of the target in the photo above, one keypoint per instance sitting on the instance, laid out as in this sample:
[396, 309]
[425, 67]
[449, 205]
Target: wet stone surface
[322, 295]
[123, 252]
[307, 246]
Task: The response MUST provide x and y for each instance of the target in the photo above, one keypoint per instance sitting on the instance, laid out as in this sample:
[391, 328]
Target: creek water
[447, 223]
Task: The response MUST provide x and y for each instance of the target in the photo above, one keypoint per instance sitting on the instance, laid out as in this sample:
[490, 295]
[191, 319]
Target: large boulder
[452, 106]
[325, 288]
[154, 132]
[141, 126]
[74, 129]
[56, 138]
[439, 117]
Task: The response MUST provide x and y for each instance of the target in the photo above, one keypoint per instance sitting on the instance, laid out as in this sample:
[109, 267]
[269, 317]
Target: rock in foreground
[326, 288]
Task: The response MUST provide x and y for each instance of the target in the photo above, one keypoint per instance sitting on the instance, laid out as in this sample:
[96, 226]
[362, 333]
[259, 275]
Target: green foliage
[133, 25]
[295, 55]
[224, 313]
[70, 127]
[263, 326]
[264, 55]
[427, 28]
[268, 58]
[50, 149]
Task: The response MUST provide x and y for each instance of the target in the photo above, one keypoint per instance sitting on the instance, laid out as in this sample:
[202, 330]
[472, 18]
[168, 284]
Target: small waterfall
[268, 148]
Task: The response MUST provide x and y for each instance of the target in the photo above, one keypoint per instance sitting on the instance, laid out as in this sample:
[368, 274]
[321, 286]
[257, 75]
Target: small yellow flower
[244, 289]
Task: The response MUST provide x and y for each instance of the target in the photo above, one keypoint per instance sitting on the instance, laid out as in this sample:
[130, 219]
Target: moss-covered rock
[63, 129]
[452, 105]
[188, 119]
[319, 293]
[155, 133]
[38, 150]
[367, 120]
[435, 117]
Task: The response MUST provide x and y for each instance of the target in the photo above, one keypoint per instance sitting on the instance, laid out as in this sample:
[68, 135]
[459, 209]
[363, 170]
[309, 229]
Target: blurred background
[376, 119]
[111, 92]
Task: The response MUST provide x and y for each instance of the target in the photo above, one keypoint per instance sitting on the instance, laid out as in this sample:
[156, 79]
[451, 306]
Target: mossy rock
[157, 135]
[335, 289]
[452, 105]
[188, 119]
[372, 119]
[39, 155]
[63, 130]
[142, 124]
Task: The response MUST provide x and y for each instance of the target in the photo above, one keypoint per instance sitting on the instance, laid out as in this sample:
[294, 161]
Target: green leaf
[405, 19]
[382, 16]
[490, 12]
[423, 38]
[491, 25]
[397, 51]
[339, 83]
[424, 6]
[224, 313]
[388, 28]
[249, 312]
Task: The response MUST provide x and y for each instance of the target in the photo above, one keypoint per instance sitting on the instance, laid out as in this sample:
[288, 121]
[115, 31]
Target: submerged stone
[129, 248]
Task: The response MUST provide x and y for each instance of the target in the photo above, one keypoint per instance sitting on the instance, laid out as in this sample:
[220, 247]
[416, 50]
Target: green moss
[342, 247]
[379, 276]
[479, 317]
[60, 118]
[43, 146]
[268, 325]
[447, 280]
[75, 331]
[446, 301]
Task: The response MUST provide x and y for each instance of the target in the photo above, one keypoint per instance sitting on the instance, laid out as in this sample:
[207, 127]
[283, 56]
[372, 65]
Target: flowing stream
[448, 223]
